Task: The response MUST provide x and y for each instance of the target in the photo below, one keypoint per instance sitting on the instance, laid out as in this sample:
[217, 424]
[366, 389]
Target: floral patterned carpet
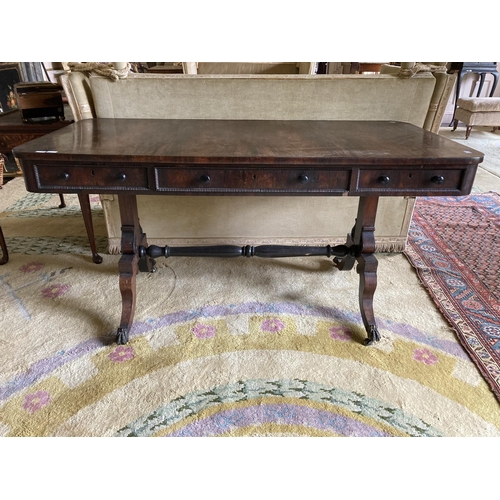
[219, 347]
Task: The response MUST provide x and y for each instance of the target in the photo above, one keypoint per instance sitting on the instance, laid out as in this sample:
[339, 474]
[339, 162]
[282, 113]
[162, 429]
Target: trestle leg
[137, 256]
[130, 262]
[362, 241]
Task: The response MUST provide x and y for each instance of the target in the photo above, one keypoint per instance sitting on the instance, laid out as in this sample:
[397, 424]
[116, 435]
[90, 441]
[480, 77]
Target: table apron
[155, 179]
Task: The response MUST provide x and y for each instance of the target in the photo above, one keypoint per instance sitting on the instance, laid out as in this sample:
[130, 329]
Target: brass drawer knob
[384, 179]
[205, 179]
[303, 179]
[65, 176]
[121, 177]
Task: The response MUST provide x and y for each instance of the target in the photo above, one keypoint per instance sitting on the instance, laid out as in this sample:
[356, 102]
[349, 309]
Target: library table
[366, 159]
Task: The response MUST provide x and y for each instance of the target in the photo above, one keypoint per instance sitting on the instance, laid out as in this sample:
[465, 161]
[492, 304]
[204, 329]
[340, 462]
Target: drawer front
[251, 180]
[410, 180]
[91, 177]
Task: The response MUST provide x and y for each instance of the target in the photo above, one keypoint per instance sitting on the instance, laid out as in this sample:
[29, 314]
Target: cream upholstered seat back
[248, 68]
[264, 97]
[442, 90]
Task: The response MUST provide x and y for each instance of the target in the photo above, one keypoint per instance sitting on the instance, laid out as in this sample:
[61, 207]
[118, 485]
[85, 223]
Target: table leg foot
[122, 336]
[373, 335]
[96, 258]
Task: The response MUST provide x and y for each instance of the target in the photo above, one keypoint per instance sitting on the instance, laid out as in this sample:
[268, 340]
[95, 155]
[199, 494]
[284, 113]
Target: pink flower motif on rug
[55, 290]
[122, 353]
[339, 333]
[272, 325]
[425, 356]
[36, 400]
[31, 267]
[202, 331]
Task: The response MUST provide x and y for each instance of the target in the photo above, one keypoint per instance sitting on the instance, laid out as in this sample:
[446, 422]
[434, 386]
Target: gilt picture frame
[16, 72]
[10, 74]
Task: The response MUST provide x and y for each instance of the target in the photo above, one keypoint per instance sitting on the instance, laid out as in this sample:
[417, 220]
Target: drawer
[253, 180]
[410, 180]
[189, 178]
[88, 176]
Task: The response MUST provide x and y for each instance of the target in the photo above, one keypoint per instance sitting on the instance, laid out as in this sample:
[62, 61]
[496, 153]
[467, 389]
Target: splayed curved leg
[367, 270]
[130, 262]
[128, 272]
[89, 226]
[361, 241]
[364, 237]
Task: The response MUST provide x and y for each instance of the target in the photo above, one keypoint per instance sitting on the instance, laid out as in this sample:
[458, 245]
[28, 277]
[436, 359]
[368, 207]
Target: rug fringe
[114, 249]
[390, 246]
[382, 247]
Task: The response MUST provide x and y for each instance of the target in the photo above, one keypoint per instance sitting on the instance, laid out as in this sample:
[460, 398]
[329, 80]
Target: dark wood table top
[270, 142]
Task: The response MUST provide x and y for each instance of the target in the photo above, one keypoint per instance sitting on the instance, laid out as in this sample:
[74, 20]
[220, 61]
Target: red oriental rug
[454, 244]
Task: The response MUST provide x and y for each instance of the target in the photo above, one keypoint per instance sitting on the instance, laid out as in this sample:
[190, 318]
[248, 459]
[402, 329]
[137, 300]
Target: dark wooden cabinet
[14, 132]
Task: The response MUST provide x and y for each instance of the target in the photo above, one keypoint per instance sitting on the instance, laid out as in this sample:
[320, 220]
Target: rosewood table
[366, 159]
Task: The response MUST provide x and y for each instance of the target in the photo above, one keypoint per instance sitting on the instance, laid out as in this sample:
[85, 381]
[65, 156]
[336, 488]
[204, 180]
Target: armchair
[442, 90]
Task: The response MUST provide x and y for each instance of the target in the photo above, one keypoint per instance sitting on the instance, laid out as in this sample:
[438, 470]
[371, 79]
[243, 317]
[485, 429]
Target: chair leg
[467, 131]
[455, 125]
[61, 199]
[3, 246]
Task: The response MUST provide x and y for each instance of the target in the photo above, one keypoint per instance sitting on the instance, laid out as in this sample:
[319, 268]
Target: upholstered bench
[481, 111]
[309, 220]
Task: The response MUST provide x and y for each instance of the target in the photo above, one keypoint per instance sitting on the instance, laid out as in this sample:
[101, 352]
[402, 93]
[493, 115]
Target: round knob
[384, 179]
[303, 179]
[65, 176]
[438, 179]
[205, 179]
[121, 177]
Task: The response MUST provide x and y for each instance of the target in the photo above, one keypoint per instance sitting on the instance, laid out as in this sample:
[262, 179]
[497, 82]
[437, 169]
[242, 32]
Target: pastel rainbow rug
[220, 347]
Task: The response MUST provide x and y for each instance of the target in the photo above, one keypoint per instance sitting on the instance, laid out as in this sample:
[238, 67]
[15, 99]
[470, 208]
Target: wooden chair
[3, 246]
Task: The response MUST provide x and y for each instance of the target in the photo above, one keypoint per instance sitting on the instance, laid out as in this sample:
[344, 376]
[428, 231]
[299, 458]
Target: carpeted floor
[454, 243]
[481, 138]
[223, 347]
